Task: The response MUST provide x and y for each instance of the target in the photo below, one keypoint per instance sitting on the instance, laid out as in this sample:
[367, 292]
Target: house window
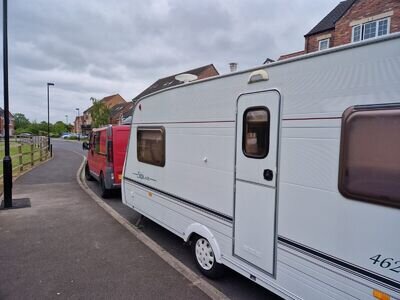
[370, 30]
[151, 145]
[369, 165]
[383, 27]
[323, 44]
[256, 132]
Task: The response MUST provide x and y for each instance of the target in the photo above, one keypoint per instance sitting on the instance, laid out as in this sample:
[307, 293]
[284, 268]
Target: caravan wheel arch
[203, 231]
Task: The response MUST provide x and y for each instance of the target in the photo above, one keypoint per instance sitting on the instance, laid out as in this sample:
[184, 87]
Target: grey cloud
[99, 47]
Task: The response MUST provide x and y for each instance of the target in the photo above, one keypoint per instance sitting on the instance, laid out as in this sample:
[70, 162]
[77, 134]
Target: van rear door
[120, 143]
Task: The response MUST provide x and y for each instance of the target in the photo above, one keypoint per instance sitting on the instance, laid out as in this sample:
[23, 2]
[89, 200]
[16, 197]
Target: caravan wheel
[205, 258]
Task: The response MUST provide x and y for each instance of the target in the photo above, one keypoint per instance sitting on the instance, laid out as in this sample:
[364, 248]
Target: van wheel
[88, 176]
[205, 259]
[105, 193]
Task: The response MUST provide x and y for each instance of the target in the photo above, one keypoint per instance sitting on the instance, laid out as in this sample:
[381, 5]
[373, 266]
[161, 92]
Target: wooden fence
[25, 152]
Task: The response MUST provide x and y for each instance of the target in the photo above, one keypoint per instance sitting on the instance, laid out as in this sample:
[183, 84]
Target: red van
[106, 156]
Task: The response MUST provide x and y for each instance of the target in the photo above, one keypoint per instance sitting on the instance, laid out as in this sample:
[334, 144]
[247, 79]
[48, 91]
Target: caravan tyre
[205, 259]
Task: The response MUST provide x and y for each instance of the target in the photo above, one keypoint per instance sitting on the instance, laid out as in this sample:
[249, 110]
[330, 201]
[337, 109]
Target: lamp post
[79, 123]
[48, 115]
[7, 163]
[66, 119]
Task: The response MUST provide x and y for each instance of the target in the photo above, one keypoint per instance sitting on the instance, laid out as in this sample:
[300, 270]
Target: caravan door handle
[268, 174]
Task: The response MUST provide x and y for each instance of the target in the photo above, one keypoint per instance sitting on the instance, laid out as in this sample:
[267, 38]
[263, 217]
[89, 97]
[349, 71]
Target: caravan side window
[256, 132]
[151, 145]
[369, 167]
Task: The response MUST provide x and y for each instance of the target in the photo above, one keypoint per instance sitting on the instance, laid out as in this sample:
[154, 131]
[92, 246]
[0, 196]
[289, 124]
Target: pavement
[66, 246]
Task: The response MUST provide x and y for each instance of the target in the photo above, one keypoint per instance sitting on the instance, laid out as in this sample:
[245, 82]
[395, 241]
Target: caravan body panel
[324, 241]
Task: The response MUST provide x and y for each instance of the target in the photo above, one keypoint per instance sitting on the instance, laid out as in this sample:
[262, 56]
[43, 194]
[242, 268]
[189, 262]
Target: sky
[96, 48]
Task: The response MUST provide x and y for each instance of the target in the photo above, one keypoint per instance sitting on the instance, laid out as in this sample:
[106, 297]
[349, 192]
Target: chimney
[233, 66]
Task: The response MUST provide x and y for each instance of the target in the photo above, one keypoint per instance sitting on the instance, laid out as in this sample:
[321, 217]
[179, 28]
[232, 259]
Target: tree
[100, 113]
[59, 127]
[21, 121]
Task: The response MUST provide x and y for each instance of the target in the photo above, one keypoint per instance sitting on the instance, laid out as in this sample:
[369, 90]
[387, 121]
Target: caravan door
[257, 134]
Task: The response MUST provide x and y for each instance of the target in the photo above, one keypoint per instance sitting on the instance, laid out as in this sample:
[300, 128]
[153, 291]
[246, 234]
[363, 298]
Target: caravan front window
[256, 132]
[369, 168]
[151, 145]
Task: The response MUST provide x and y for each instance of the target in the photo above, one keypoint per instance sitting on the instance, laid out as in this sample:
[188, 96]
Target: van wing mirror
[85, 146]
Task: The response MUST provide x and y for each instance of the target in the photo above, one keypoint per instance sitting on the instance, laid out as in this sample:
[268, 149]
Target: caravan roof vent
[258, 75]
[186, 77]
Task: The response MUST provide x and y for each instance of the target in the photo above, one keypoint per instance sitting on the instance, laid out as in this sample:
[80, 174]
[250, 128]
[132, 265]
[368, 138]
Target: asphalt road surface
[233, 285]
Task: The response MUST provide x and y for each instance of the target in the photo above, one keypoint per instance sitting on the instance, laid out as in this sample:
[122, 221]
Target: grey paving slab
[66, 246]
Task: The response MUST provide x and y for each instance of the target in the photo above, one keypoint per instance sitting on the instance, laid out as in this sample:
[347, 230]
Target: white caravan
[288, 173]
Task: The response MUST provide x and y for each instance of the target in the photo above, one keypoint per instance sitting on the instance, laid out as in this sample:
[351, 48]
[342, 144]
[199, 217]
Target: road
[232, 284]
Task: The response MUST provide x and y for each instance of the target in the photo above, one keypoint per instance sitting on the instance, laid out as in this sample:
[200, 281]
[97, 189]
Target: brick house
[352, 21]
[78, 124]
[109, 101]
[166, 82]
[11, 123]
[120, 112]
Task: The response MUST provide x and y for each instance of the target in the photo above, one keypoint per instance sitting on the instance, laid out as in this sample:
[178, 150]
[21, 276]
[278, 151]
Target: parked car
[25, 134]
[66, 135]
[106, 156]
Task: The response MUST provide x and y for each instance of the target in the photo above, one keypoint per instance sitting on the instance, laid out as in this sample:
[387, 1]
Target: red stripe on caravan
[228, 121]
[187, 122]
[305, 119]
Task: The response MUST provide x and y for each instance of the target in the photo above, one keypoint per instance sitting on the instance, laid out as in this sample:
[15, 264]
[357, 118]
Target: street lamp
[48, 115]
[79, 123]
[7, 163]
[66, 119]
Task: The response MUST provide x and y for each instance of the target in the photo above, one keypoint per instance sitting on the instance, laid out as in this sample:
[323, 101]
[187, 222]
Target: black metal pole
[48, 119]
[7, 163]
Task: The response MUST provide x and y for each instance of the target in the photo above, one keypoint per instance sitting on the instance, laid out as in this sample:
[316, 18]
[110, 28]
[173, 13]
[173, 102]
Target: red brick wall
[210, 71]
[11, 125]
[364, 9]
[312, 42]
[290, 55]
[1, 126]
[117, 99]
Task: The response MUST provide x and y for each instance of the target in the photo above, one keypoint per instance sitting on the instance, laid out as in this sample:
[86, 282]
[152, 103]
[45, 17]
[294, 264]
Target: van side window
[151, 145]
[103, 142]
[96, 140]
[369, 168]
[256, 132]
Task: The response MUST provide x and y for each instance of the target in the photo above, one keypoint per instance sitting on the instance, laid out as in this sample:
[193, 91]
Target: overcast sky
[95, 48]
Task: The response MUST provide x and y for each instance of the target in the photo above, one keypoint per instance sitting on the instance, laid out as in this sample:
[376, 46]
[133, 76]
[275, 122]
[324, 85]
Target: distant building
[166, 82]
[11, 123]
[109, 101]
[78, 123]
[120, 112]
[352, 21]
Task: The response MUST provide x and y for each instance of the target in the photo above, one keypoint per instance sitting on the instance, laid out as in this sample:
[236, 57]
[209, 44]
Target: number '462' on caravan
[288, 173]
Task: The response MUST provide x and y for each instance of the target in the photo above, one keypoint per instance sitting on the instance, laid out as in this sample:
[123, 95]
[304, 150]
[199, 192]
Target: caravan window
[151, 145]
[256, 132]
[369, 167]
